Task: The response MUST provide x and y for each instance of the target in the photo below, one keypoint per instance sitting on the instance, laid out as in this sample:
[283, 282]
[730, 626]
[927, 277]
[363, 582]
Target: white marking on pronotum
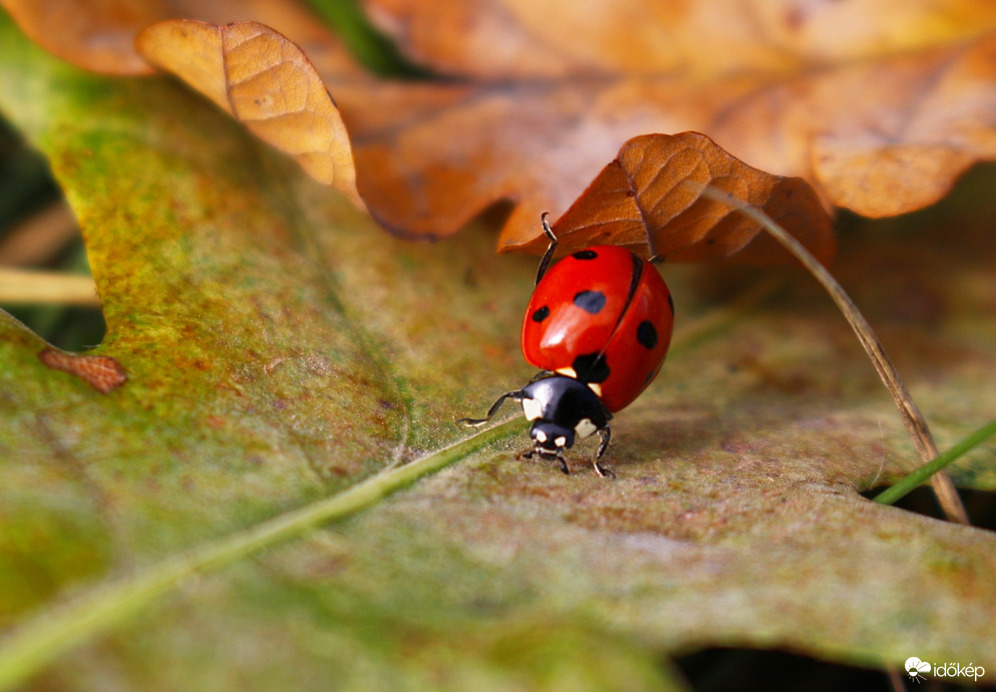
[540, 436]
[584, 428]
[532, 408]
[569, 372]
[560, 441]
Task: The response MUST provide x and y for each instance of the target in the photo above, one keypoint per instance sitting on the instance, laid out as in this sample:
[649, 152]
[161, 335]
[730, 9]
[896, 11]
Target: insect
[598, 326]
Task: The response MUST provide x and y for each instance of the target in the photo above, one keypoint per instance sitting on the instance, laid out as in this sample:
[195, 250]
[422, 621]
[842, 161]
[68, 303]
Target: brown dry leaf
[99, 35]
[648, 199]
[881, 117]
[96, 35]
[264, 81]
[555, 38]
[248, 69]
[879, 107]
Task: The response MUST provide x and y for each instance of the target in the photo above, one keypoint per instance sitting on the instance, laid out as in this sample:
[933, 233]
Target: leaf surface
[279, 349]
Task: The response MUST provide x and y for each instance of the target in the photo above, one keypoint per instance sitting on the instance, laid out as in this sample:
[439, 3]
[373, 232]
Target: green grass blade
[915, 479]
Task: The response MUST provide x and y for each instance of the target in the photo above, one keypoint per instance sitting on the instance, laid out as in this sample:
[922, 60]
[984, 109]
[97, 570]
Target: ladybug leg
[474, 422]
[558, 456]
[563, 464]
[530, 452]
[603, 471]
[604, 435]
[551, 248]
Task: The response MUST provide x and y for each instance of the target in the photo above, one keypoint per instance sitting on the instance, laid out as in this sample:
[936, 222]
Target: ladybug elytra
[598, 326]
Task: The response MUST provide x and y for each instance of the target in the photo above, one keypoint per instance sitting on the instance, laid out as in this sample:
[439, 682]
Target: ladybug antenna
[551, 248]
[475, 422]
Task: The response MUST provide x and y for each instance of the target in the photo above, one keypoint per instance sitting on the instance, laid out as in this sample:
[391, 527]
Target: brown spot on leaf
[103, 373]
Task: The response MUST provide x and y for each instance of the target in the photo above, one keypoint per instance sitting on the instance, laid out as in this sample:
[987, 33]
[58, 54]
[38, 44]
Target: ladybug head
[550, 439]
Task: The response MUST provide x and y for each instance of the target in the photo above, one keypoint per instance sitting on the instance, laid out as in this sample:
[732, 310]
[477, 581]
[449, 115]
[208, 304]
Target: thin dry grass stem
[24, 287]
[36, 239]
[916, 425]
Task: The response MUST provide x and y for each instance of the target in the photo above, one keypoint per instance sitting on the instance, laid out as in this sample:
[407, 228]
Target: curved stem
[916, 424]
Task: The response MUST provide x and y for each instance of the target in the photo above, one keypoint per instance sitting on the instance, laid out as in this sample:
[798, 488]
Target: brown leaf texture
[266, 82]
[879, 106]
[99, 35]
[648, 200]
[95, 35]
[881, 118]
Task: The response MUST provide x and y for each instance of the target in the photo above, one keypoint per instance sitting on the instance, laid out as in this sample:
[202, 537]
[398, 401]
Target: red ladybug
[598, 326]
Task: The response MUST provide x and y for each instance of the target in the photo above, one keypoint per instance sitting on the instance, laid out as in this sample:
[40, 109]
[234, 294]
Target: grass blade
[913, 480]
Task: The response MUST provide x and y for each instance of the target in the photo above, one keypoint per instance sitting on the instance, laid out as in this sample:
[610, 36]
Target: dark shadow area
[981, 504]
[733, 670]
[28, 191]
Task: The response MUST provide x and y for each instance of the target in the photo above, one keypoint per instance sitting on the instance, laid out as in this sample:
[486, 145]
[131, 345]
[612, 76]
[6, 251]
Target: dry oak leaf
[267, 83]
[880, 106]
[649, 200]
[95, 35]
[99, 35]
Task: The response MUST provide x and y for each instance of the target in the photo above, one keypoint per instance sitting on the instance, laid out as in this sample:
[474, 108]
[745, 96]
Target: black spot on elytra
[585, 255]
[646, 334]
[541, 313]
[590, 301]
[591, 367]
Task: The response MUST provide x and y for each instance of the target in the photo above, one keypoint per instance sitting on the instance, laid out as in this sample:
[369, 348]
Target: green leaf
[281, 350]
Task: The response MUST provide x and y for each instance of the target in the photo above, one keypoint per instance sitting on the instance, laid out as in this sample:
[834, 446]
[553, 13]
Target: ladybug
[598, 327]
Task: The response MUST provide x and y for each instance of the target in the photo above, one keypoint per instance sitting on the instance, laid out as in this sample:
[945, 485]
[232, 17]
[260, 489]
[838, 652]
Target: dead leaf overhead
[880, 108]
[264, 81]
[99, 35]
[96, 36]
[649, 200]
[780, 85]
